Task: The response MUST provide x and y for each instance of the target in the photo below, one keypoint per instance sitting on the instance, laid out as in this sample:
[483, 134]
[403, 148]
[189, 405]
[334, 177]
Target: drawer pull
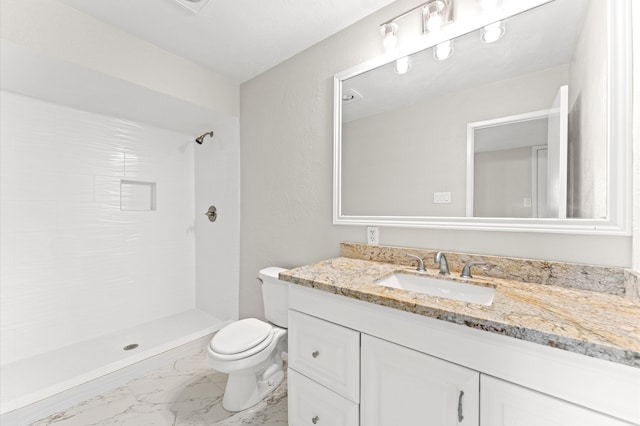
[315, 355]
[315, 419]
[460, 416]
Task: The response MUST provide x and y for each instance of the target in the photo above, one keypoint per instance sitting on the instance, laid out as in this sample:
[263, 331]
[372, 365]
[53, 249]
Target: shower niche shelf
[137, 195]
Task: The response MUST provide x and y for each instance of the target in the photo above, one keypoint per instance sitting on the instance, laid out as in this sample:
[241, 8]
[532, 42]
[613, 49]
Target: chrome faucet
[420, 262]
[442, 260]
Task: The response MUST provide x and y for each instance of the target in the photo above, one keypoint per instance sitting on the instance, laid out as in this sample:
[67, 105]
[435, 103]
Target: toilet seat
[241, 339]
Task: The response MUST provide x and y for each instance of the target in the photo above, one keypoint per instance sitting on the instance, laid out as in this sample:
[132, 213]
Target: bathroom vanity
[554, 343]
[540, 354]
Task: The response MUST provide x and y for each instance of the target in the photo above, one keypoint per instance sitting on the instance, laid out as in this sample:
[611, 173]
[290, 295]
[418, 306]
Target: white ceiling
[236, 38]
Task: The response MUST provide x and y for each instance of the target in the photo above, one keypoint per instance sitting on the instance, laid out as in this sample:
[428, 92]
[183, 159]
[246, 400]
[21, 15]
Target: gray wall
[286, 174]
[502, 179]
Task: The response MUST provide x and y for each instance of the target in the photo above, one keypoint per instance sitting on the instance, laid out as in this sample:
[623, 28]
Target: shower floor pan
[36, 387]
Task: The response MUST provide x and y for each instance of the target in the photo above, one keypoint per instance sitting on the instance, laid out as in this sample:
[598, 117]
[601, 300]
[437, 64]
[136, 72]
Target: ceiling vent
[193, 5]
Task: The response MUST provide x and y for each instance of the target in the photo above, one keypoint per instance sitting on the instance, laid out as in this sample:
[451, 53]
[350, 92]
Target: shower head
[200, 138]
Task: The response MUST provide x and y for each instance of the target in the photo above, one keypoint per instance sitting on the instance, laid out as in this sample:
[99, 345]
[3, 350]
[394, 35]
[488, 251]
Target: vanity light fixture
[403, 65]
[492, 32]
[443, 50]
[435, 15]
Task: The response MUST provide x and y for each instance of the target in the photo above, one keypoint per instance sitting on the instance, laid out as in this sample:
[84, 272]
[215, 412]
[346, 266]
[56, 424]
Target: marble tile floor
[185, 393]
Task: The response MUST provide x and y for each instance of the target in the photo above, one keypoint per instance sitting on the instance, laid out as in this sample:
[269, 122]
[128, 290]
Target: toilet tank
[275, 296]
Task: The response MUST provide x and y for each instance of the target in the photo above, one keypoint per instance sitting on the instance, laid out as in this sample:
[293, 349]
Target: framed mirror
[530, 132]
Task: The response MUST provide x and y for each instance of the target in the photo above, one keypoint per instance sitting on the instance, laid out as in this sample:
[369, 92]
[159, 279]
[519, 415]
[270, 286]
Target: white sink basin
[440, 288]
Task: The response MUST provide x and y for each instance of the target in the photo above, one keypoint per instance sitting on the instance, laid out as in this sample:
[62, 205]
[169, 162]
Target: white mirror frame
[619, 137]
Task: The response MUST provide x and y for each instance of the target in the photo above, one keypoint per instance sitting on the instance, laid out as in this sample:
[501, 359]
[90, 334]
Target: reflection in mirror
[517, 166]
[509, 161]
[406, 138]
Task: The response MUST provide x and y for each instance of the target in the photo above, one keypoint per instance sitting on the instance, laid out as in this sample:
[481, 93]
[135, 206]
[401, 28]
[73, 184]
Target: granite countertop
[596, 324]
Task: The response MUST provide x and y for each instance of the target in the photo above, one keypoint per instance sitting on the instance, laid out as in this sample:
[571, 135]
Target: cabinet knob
[315, 419]
[315, 355]
[212, 214]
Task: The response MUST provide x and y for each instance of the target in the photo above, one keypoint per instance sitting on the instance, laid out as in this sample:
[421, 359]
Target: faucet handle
[420, 262]
[466, 271]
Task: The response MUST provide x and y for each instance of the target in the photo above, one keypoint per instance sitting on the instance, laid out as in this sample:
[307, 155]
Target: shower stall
[110, 266]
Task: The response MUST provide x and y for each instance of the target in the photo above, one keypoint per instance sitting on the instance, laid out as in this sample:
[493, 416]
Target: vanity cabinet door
[505, 404]
[401, 386]
[313, 404]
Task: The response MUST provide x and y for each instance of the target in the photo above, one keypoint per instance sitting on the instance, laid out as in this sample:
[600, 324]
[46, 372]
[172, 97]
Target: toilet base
[244, 390]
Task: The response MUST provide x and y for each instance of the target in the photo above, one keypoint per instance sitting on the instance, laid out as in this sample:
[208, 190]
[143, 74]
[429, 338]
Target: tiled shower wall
[97, 225]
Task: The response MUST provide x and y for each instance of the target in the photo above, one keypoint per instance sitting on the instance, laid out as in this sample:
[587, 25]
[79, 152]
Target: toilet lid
[240, 336]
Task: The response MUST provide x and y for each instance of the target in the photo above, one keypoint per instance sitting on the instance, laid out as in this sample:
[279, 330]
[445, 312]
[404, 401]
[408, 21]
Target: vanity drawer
[313, 404]
[325, 352]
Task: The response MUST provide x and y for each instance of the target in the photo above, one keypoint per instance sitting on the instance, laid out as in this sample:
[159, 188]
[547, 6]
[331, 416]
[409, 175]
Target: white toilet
[250, 350]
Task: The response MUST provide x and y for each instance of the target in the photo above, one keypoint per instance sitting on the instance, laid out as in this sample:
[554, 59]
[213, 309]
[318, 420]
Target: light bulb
[390, 38]
[436, 14]
[443, 50]
[434, 22]
[492, 32]
[403, 65]
[390, 42]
